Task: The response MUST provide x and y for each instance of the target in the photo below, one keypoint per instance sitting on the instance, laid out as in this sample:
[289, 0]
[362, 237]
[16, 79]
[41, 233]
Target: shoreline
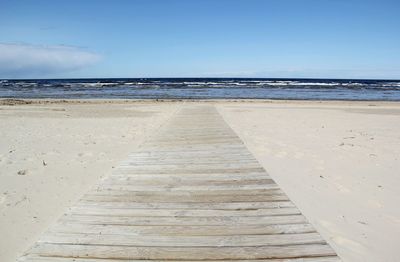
[30, 101]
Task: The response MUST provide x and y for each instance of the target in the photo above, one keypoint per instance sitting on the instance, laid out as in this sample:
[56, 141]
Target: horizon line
[202, 77]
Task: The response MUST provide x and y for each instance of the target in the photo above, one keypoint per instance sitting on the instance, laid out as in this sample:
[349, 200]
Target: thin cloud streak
[27, 60]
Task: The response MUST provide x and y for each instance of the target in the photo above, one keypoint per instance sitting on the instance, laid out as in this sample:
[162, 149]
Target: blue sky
[187, 38]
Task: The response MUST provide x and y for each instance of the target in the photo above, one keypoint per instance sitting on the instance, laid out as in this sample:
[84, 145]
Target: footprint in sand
[85, 154]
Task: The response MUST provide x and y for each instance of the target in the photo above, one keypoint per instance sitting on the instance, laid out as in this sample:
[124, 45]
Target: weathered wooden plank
[188, 193]
[206, 170]
[189, 177]
[179, 230]
[182, 241]
[190, 165]
[190, 157]
[214, 157]
[183, 199]
[179, 188]
[182, 220]
[188, 154]
[181, 253]
[179, 212]
[32, 258]
[188, 184]
[182, 205]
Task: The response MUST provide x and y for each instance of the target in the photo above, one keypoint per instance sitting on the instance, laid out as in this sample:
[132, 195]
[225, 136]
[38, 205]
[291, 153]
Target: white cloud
[27, 60]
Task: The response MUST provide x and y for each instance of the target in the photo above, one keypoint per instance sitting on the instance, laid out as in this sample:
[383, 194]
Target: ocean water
[203, 88]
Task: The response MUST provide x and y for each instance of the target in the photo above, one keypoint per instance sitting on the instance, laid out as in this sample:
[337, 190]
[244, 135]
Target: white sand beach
[337, 161]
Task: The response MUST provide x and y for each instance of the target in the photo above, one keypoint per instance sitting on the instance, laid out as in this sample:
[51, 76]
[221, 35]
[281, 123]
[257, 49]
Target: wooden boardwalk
[192, 192]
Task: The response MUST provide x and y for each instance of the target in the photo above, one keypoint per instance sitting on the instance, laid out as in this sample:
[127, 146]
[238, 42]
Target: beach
[337, 161]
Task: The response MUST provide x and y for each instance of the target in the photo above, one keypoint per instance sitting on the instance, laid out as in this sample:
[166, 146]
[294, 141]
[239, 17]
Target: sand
[337, 161]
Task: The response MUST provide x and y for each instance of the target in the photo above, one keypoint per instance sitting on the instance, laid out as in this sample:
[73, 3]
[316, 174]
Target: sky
[204, 38]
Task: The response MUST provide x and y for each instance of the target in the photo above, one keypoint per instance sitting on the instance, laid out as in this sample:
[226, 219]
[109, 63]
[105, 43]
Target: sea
[203, 88]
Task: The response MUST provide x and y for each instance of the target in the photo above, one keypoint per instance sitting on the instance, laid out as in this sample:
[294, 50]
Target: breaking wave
[203, 88]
